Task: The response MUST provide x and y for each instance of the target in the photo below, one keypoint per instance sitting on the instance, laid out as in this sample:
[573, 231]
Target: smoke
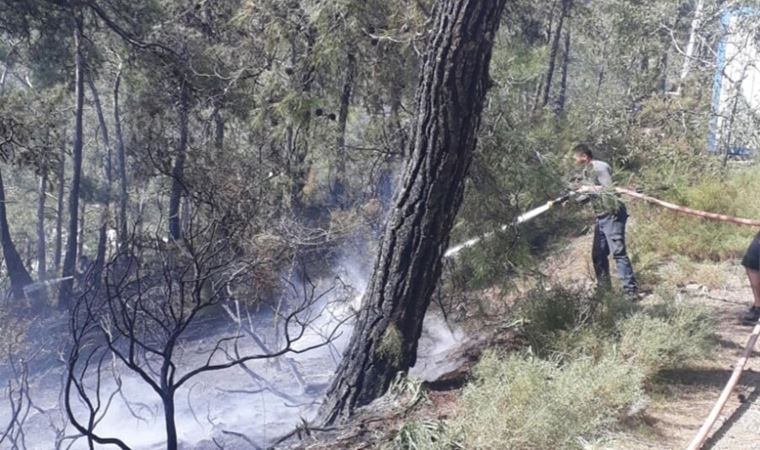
[257, 403]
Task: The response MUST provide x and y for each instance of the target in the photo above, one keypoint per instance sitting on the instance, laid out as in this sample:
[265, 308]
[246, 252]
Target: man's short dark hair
[583, 149]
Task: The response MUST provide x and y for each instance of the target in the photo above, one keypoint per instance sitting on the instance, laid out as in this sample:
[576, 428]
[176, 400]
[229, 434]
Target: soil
[685, 397]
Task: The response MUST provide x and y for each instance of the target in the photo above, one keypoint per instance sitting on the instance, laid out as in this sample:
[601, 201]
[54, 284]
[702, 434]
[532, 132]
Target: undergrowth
[587, 368]
[658, 233]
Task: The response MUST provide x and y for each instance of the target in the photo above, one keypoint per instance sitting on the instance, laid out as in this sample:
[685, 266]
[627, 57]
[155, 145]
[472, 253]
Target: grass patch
[666, 336]
[588, 367]
[665, 234]
[524, 402]
[682, 271]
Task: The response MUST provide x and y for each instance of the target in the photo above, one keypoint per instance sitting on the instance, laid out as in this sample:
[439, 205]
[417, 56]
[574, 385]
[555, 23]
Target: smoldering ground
[245, 406]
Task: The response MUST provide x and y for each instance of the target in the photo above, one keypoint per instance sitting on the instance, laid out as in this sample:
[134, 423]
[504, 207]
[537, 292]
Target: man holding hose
[611, 217]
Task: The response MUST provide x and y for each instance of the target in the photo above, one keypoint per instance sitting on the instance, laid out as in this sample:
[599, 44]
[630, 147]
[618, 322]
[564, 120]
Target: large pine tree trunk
[17, 273]
[70, 260]
[122, 160]
[453, 84]
[178, 171]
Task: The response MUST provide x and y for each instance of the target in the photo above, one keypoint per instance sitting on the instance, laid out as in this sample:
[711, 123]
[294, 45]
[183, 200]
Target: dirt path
[680, 403]
[680, 409]
[683, 398]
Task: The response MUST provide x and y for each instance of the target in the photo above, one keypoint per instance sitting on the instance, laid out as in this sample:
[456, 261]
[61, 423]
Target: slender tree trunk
[3, 77]
[80, 240]
[59, 210]
[338, 184]
[399, 131]
[554, 50]
[450, 98]
[218, 130]
[298, 142]
[538, 93]
[178, 171]
[107, 164]
[19, 276]
[562, 97]
[100, 256]
[41, 193]
[70, 260]
[696, 24]
[599, 82]
[662, 82]
[122, 160]
[169, 422]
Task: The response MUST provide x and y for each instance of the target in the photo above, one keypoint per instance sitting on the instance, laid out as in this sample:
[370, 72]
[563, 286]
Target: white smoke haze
[230, 407]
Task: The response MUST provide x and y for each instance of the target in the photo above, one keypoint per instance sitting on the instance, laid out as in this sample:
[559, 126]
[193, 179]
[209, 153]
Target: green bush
[523, 402]
[588, 370]
[425, 435]
[666, 336]
[561, 320]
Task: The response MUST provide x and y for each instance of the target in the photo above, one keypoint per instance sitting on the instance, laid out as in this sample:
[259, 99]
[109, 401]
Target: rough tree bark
[178, 171]
[19, 276]
[122, 160]
[554, 50]
[69, 261]
[450, 96]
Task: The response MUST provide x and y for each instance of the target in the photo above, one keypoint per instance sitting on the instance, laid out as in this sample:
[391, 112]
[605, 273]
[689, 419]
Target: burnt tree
[453, 84]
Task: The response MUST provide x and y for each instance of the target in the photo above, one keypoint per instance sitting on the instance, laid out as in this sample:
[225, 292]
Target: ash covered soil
[239, 407]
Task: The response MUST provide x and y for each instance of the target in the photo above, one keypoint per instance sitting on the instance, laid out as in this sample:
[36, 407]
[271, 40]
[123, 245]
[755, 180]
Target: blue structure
[725, 22]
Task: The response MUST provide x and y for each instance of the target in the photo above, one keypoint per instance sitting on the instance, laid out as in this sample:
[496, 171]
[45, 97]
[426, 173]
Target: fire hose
[703, 432]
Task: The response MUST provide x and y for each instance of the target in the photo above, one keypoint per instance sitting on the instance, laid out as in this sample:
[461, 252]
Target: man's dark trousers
[609, 237]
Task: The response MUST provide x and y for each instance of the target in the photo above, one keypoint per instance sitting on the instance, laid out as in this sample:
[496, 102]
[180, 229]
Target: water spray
[525, 217]
[34, 287]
